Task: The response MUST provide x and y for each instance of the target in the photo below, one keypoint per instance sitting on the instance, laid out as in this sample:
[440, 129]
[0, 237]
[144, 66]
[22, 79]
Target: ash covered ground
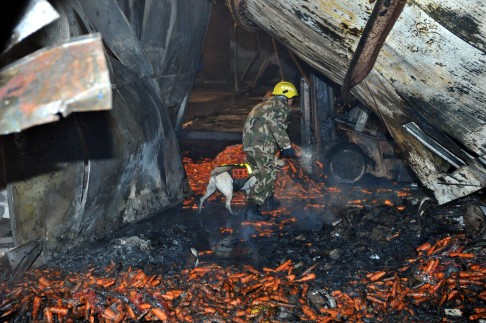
[377, 251]
[342, 240]
[342, 236]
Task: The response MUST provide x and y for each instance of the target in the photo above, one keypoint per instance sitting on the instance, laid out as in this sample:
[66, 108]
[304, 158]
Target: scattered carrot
[307, 277]
[425, 246]
[36, 306]
[461, 255]
[161, 315]
[309, 312]
[375, 276]
[284, 266]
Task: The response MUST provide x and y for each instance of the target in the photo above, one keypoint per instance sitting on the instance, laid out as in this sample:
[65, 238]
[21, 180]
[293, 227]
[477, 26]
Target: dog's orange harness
[240, 171]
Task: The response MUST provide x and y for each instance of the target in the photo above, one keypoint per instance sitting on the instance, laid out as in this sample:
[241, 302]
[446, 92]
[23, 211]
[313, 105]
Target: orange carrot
[130, 312]
[437, 286]
[201, 269]
[332, 312]
[443, 299]
[48, 317]
[468, 274]
[394, 288]
[209, 310]
[375, 300]
[309, 312]
[452, 294]
[418, 295]
[461, 255]
[474, 267]
[424, 247]
[279, 298]
[431, 250]
[433, 263]
[375, 276]
[284, 266]
[474, 317]
[307, 277]
[305, 290]
[109, 314]
[444, 242]
[160, 314]
[336, 293]
[144, 306]
[291, 277]
[44, 281]
[36, 306]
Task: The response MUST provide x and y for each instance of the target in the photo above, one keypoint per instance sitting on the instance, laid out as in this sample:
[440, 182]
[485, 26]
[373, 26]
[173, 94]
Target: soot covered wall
[82, 177]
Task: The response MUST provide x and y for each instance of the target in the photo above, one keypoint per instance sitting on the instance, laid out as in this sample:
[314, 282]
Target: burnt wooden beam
[382, 19]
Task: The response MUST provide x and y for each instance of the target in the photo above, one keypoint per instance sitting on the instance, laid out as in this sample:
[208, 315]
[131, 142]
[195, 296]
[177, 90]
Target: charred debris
[378, 251]
[356, 239]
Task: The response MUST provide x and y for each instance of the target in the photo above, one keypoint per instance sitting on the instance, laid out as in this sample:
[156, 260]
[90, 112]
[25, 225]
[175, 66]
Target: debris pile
[445, 275]
[202, 293]
[377, 255]
[446, 279]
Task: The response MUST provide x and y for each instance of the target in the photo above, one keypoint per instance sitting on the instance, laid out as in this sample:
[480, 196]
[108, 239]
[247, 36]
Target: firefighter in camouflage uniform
[265, 133]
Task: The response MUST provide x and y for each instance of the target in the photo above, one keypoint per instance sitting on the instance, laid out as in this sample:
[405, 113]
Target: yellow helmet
[286, 89]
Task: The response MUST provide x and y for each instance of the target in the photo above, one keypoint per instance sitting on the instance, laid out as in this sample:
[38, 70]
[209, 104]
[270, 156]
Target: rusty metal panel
[71, 77]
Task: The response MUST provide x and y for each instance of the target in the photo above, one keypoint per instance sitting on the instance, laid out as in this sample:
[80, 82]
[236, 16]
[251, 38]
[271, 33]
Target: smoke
[307, 160]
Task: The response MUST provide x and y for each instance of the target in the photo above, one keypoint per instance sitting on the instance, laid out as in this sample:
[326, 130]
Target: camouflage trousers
[265, 172]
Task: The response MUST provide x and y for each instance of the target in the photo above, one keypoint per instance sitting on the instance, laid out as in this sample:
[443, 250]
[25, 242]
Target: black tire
[346, 164]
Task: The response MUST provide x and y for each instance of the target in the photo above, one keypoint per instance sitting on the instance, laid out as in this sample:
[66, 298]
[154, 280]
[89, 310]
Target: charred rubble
[373, 250]
[381, 252]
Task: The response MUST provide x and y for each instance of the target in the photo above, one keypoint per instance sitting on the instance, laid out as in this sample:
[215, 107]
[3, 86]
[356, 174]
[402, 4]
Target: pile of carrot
[443, 275]
[292, 182]
[193, 295]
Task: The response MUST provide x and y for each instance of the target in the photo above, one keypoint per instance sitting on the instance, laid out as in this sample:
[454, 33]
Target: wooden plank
[464, 18]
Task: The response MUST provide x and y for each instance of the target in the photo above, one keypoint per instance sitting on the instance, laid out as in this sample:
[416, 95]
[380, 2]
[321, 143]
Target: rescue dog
[221, 179]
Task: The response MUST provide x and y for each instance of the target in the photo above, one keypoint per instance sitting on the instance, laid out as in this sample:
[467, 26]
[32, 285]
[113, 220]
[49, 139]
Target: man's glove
[288, 152]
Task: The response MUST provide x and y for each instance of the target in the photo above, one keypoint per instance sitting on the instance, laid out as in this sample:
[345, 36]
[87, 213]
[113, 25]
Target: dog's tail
[210, 189]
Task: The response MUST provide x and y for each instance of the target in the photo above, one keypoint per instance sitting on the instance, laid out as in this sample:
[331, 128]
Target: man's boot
[252, 213]
[271, 203]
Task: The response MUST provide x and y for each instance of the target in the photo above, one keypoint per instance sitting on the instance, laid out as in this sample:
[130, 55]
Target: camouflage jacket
[265, 128]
